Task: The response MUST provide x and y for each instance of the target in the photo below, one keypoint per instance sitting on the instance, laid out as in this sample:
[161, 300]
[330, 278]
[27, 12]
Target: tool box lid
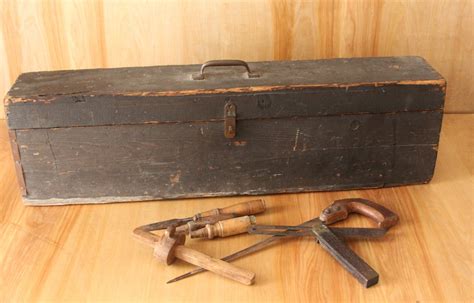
[184, 93]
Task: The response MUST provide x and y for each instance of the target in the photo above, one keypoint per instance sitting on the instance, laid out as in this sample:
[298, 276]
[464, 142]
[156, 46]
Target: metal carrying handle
[215, 63]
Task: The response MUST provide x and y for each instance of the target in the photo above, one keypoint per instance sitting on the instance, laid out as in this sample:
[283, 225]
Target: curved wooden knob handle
[340, 209]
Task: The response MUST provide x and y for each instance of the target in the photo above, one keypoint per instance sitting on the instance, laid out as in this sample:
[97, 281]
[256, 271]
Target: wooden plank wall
[70, 34]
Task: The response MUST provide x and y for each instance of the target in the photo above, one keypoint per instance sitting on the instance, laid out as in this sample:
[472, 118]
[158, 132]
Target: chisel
[225, 228]
[201, 219]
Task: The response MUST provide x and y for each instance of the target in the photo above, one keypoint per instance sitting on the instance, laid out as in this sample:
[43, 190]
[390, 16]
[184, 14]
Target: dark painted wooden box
[146, 133]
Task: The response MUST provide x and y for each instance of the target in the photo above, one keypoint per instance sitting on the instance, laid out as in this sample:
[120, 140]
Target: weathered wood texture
[87, 252]
[324, 101]
[155, 133]
[194, 159]
[170, 80]
[51, 35]
[169, 94]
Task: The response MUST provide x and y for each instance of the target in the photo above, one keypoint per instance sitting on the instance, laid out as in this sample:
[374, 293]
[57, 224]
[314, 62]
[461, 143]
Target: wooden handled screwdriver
[225, 228]
[199, 220]
[170, 246]
[241, 209]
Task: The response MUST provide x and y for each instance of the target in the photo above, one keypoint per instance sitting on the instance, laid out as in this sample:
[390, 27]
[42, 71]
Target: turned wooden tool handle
[194, 225]
[217, 266]
[225, 228]
[340, 209]
[240, 209]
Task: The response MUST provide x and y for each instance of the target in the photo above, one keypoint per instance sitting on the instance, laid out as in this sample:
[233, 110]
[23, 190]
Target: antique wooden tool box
[224, 128]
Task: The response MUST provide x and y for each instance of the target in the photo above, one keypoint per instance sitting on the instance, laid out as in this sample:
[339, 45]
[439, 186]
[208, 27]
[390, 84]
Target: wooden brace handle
[217, 266]
[340, 209]
[241, 209]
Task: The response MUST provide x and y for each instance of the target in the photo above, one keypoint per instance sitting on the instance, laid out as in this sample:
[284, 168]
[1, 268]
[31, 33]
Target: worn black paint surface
[194, 159]
[156, 79]
[109, 135]
[119, 110]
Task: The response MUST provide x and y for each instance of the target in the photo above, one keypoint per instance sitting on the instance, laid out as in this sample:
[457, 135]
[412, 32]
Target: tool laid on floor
[171, 245]
[219, 222]
[225, 228]
[200, 220]
[329, 237]
[349, 233]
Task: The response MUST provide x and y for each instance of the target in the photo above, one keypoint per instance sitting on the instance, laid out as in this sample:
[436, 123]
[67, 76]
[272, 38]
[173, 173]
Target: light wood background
[70, 34]
[87, 252]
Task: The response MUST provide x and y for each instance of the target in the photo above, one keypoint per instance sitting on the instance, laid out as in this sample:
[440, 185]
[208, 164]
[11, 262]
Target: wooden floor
[87, 253]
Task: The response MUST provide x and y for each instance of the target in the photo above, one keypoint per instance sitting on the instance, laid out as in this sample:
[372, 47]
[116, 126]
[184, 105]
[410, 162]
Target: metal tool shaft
[247, 251]
[346, 233]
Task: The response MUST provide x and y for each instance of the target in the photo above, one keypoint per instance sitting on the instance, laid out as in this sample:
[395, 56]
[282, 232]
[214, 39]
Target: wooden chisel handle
[217, 266]
[340, 209]
[241, 209]
[224, 228]
[194, 225]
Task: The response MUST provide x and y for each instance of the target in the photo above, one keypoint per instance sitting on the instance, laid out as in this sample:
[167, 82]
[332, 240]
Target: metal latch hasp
[229, 120]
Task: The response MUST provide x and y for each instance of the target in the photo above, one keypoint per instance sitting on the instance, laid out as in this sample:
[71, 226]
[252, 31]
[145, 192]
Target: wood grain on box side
[194, 159]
